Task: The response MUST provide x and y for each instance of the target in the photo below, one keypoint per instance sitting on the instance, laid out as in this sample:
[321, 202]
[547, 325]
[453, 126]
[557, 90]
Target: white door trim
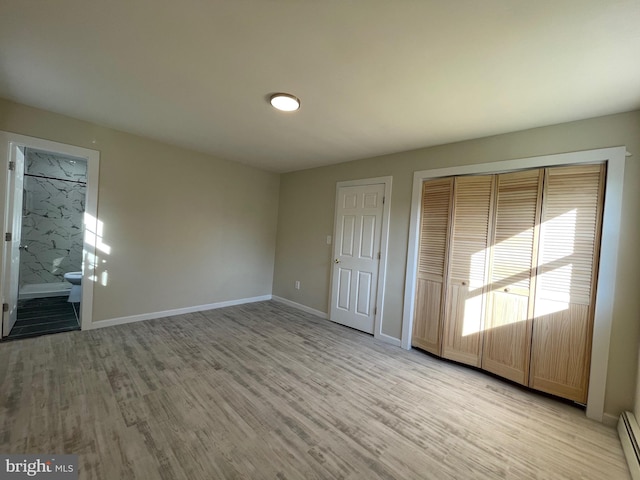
[384, 242]
[10, 141]
[611, 222]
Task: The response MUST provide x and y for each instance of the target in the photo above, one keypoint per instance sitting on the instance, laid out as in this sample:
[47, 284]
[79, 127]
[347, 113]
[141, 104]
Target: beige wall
[185, 229]
[636, 400]
[307, 209]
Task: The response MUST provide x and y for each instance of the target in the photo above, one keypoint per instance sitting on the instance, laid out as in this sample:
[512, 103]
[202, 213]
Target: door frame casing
[14, 201]
[384, 243]
[611, 222]
[9, 142]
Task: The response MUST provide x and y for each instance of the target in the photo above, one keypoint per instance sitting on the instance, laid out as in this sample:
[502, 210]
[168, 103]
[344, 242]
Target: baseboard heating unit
[629, 435]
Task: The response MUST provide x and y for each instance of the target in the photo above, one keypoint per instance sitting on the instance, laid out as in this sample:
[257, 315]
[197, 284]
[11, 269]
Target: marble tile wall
[52, 221]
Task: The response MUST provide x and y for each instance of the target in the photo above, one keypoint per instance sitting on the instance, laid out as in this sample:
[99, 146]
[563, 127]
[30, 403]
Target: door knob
[337, 260]
[464, 283]
[507, 289]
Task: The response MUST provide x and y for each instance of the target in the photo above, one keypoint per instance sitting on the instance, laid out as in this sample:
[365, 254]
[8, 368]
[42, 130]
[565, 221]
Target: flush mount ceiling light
[285, 102]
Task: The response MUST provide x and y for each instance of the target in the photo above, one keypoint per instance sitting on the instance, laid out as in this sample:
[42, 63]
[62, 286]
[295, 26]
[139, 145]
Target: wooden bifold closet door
[468, 264]
[432, 261]
[507, 336]
[507, 271]
[566, 279]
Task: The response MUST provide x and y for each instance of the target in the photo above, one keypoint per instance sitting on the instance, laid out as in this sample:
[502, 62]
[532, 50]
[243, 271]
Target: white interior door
[356, 255]
[13, 226]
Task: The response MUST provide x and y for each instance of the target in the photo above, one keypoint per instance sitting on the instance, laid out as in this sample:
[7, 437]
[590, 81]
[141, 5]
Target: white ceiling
[374, 76]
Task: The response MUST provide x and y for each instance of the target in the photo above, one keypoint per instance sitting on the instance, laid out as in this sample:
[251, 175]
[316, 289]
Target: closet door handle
[464, 283]
[507, 289]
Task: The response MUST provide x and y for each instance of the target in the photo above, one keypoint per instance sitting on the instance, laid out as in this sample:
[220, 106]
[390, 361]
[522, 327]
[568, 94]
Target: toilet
[75, 279]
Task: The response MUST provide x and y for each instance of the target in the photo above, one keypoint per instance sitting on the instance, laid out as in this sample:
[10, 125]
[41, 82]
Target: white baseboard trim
[178, 311]
[383, 337]
[299, 306]
[389, 339]
[610, 420]
[628, 432]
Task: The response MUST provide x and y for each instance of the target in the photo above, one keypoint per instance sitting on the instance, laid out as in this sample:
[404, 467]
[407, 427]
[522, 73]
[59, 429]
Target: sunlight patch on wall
[94, 230]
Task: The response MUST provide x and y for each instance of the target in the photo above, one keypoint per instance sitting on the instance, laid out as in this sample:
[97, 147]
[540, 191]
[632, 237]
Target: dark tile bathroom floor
[41, 316]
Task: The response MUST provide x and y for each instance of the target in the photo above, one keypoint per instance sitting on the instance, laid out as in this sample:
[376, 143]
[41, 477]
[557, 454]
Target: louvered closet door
[567, 271]
[432, 254]
[468, 264]
[507, 335]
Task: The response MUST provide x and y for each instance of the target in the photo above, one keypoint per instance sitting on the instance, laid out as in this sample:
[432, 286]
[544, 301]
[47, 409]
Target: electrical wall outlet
[297, 285]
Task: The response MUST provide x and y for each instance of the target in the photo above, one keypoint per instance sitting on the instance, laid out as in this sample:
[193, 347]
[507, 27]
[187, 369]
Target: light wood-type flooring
[263, 391]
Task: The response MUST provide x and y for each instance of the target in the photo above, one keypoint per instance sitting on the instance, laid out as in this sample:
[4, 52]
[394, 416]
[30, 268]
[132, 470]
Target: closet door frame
[611, 221]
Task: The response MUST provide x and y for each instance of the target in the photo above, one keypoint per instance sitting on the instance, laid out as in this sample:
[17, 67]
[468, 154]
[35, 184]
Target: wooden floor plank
[265, 391]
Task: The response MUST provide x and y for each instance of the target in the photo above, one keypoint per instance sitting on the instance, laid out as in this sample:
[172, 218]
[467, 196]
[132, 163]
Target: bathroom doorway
[53, 200]
[48, 255]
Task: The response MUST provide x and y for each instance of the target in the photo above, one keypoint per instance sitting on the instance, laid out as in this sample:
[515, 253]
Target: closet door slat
[432, 262]
[507, 335]
[566, 276]
[468, 262]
